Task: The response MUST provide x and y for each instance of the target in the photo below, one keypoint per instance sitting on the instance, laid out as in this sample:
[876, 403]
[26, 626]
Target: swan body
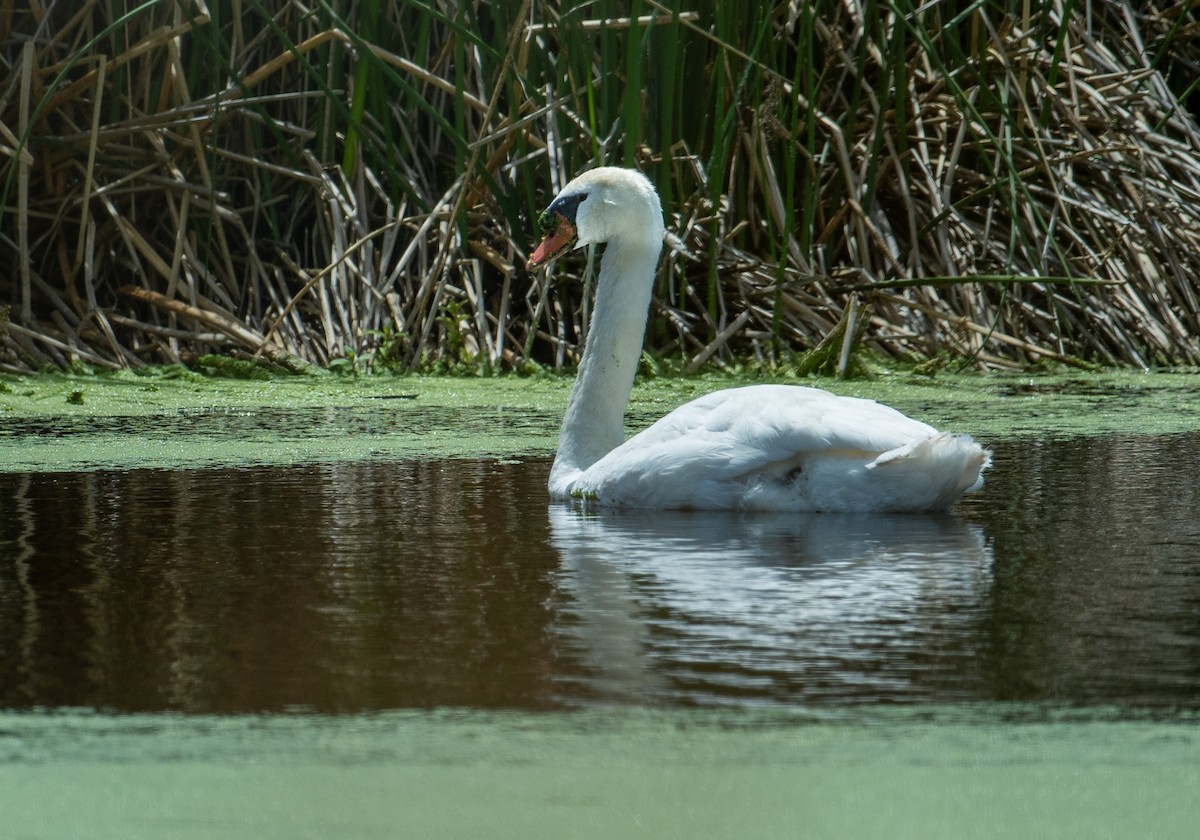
[761, 447]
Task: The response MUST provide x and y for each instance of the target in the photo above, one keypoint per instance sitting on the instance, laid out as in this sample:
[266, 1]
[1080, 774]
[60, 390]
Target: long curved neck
[594, 422]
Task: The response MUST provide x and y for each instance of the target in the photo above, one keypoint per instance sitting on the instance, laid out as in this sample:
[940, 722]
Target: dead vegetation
[1005, 183]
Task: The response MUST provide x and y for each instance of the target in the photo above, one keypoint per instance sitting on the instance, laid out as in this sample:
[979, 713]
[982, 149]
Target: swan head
[601, 205]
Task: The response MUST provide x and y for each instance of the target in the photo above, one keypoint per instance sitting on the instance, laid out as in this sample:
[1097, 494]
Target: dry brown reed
[1000, 185]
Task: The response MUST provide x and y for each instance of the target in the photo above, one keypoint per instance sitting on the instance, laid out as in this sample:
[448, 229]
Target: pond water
[337, 649]
[1073, 577]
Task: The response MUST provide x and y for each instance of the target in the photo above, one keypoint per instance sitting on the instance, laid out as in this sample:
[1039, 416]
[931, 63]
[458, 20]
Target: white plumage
[761, 447]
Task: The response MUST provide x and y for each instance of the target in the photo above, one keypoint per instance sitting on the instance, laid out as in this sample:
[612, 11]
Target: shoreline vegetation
[1003, 184]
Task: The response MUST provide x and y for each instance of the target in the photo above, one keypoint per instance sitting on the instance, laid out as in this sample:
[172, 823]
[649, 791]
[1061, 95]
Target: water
[1073, 578]
[337, 650]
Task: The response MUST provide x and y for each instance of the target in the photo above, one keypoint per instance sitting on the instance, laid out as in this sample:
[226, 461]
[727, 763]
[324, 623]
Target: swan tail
[939, 468]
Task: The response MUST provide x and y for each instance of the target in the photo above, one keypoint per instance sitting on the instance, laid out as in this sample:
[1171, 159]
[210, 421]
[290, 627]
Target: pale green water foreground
[632, 774]
[171, 420]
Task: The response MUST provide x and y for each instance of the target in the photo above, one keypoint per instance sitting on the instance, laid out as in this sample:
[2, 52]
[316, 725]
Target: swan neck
[594, 422]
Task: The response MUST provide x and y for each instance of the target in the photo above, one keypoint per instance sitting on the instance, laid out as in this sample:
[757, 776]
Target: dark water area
[1072, 578]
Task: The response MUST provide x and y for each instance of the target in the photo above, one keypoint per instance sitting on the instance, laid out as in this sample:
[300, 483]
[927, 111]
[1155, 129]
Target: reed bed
[354, 185]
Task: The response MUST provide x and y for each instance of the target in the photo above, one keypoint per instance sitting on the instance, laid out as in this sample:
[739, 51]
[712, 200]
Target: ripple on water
[383, 584]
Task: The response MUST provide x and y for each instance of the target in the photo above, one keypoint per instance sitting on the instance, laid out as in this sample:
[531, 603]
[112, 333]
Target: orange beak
[560, 236]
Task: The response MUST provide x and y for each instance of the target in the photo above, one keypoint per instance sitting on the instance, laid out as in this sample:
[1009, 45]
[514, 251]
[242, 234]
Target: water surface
[1072, 578]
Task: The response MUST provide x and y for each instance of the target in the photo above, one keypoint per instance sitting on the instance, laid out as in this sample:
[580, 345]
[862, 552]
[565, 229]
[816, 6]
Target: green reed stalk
[364, 75]
[632, 99]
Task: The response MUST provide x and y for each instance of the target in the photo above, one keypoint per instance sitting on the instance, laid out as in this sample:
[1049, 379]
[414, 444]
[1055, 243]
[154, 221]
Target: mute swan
[760, 447]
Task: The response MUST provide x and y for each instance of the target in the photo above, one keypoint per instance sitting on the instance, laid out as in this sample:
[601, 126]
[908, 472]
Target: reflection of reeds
[1004, 182]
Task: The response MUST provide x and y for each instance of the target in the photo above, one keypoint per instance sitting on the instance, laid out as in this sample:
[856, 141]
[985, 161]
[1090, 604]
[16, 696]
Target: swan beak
[560, 237]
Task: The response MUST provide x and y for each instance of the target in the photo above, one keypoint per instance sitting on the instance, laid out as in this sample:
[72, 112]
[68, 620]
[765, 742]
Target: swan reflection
[706, 607]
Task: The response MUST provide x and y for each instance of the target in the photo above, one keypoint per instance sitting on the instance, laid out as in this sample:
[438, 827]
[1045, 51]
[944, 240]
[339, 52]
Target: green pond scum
[173, 417]
[929, 774]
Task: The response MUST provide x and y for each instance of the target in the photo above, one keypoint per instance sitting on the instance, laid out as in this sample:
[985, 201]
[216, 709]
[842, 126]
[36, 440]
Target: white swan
[761, 447]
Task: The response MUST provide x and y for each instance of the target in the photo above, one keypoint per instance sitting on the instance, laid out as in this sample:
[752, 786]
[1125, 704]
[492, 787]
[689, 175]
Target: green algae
[172, 418]
[628, 773]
